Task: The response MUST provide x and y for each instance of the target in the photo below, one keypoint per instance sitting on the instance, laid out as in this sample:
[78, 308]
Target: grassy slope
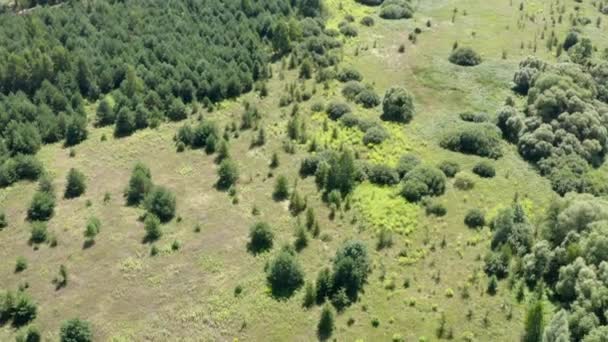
[188, 294]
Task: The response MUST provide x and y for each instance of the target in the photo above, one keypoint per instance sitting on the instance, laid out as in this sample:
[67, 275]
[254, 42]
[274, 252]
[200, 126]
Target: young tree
[161, 202]
[125, 122]
[228, 174]
[140, 184]
[326, 323]
[534, 323]
[558, 330]
[76, 330]
[42, 206]
[105, 113]
[76, 130]
[152, 227]
[398, 105]
[38, 232]
[260, 238]
[309, 295]
[285, 274]
[75, 184]
[281, 189]
[92, 228]
[351, 267]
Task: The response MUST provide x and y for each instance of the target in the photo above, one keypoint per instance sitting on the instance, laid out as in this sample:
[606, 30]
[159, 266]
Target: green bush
[285, 274]
[367, 98]
[228, 174]
[20, 264]
[351, 268]
[473, 117]
[325, 327]
[482, 140]
[152, 227]
[161, 202]
[396, 9]
[465, 56]
[3, 221]
[349, 74]
[436, 209]
[484, 169]
[349, 30]
[422, 181]
[24, 310]
[449, 168]
[42, 206]
[375, 135]
[75, 184]
[140, 184]
[367, 21]
[92, 228]
[260, 238]
[281, 189]
[38, 232]
[76, 330]
[475, 218]
[464, 182]
[382, 175]
[398, 105]
[335, 110]
[407, 163]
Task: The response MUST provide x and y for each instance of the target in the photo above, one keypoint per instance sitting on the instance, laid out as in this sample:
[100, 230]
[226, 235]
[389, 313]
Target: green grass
[189, 294]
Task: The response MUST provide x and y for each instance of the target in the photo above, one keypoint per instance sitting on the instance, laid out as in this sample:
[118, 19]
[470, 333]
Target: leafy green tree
[42, 206]
[398, 105]
[228, 174]
[285, 274]
[22, 138]
[105, 113]
[125, 122]
[76, 130]
[475, 218]
[309, 295]
[76, 185]
[177, 110]
[558, 330]
[76, 330]
[281, 38]
[161, 202]
[351, 267]
[140, 184]
[24, 310]
[260, 238]
[465, 56]
[324, 286]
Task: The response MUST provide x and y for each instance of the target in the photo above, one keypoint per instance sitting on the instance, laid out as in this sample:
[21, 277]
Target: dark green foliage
[22, 138]
[570, 40]
[42, 207]
[3, 221]
[351, 89]
[465, 56]
[125, 122]
[464, 182]
[75, 184]
[473, 117]
[348, 30]
[105, 113]
[436, 209]
[493, 285]
[484, 169]
[76, 330]
[281, 189]
[407, 163]
[449, 168]
[140, 184]
[92, 228]
[161, 202]
[32, 334]
[367, 21]
[285, 274]
[382, 175]
[19, 167]
[497, 263]
[24, 309]
[309, 295]
[20, 264]
[76, 130]
[534, 322]
[351, 267]
[482, 140]
[396, 9]
[228, 174]
[323, 285]
[325, 327]
[398, 105]
[475, 218]
[152, 227]
[368, 98]
[260, 238]
[349, 74]
[177, 110]
[301, 240]
[375, 135]
[422, 181]
[335, 110]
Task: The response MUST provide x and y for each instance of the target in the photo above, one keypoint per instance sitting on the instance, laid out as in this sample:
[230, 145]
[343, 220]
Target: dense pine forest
[296, 170]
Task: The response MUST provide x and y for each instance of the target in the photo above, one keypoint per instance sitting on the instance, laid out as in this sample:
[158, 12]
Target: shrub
[161, 202]
[75, 184]
[24, 310]
[76, 330]
[482, 140]
[335, 110]
[349, 74]
[92, 228]
[350, 120]
[301, 240]
[484, 169]
[32, 334]
[325, 327]
[473, 117]
[260, 238]
[367, 21]
[368, 98]
[423, 181]
[349, 30]
[396, 9]
[20, 264]
[42, 207]
[375, 135]
[449, 168]
[382, 175]
[152, 227]
[492, 285]
[351, 89]
[323, 285]
[177, 110]
[281, 189]
[285, 274]
[398, 105]
[475, 218]
[464, 182]
[309, 295]
[140, 184]
[351, 267]
[465, 56]
[436, 209]
[228, 174]
[406, 163]
[125, 122]
[3, 221]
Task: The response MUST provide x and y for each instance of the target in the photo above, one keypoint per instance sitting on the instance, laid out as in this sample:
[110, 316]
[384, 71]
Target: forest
[362, 170]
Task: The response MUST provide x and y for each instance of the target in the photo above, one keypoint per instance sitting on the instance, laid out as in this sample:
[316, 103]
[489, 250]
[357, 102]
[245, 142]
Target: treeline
[563, 128]
[146, 60]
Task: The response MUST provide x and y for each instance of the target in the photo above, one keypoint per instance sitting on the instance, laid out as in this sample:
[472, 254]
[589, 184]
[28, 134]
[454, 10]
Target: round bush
[413, 190]
[76, 330]
[161, 202]
[285, 274]
[335, 110]
[449, 168]
[473, 117]
[406, 164]
[349, 74]
[260, 238]
[465, 56]
[367, 21]
[484, 169]
[436, 209]
[396, 10]
[475, 218]
[398, 105]
[368, 98]
[482, 140]
[464, 182]
[228, 174]
[349, 30]
[375, 135]
[350, 120]
[382, 175]
[431, 176]
[75, 184]
[351, 89]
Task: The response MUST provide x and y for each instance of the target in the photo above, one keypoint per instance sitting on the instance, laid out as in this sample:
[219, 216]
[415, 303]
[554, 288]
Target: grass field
[189, 294]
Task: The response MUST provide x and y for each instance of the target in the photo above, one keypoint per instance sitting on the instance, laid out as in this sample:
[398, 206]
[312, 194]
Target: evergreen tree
[325, 327]
[75, 184]
[534, 322]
